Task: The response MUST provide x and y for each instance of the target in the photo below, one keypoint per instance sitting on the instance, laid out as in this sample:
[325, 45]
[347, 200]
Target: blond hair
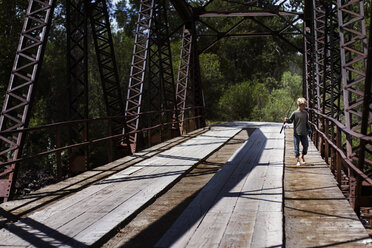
[301, 101]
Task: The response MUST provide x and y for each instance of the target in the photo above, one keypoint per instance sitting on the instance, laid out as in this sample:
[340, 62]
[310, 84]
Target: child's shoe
[298, 163]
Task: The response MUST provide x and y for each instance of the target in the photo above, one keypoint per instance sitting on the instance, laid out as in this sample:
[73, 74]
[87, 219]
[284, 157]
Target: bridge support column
[18, 99]
[353, 43]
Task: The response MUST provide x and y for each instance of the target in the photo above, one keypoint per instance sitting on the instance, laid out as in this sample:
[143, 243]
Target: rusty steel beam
[77, 76]
[104, 47]
[353, 43]
[101, 30]
[213, 43]
[334, 89]
[365, 147]
[278, 34]
[255, 13]
[183, 9]
[18, 99]
[309, 59]
[308, 67]
[161, 87]
[183, 76]
[197, 88]
[319, 39]
[253, 35]
[138, 70]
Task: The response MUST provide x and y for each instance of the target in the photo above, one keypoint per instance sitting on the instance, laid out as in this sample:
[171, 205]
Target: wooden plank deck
[242, 204]
[85, 217]
[35, 201]
[316, 212]
[148, 226]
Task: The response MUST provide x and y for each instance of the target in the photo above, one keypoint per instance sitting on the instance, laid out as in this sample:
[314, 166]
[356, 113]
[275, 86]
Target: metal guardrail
[66, 124]
[332, 147]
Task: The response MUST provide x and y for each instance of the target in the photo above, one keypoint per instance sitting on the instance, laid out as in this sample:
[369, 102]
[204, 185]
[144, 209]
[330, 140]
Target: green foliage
[211, 77]
[278, 106]
[292, 84]
[282, 101]
[251, 100]
[11, 20]
[239, 101]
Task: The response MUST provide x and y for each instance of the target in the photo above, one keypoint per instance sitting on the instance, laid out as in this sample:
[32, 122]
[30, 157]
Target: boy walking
[299, 118]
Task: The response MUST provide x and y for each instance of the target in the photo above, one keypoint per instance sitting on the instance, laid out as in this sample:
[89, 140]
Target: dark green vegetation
[255, 65]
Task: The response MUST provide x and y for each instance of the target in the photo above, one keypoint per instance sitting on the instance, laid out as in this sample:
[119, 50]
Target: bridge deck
[85, 217]
[241, 206]
[316, 212]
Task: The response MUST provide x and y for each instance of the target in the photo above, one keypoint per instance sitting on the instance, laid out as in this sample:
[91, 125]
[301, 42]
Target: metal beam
[205, 14]
[138, 70]
[77, 77]
[184, 10]
[18, 99]
[353, 43]
[110, 82]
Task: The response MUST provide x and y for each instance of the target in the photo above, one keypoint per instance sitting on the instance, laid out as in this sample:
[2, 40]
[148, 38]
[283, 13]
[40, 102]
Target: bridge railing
[56, 148]
[329, 136]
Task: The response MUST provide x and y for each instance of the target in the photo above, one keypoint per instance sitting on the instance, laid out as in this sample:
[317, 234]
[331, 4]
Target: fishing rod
[286, 116]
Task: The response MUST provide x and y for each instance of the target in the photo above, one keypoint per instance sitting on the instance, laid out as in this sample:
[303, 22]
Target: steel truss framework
[337, 47]
[77, 71]
[101, 30]
[138, 71]
[183, 74]
[26, 68]
[18, 97]
[78, 14]
[161, 86]
[337, 75]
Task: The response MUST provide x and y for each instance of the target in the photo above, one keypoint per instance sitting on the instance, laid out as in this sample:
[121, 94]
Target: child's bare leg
[302, 159]
[298, 161]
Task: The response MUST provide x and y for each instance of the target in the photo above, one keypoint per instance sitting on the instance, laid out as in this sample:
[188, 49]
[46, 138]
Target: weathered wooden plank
[268, 231]
[196, 226]
[56, 214]
[315, 210]
[114, 192]
[155, 185]
[96, 210]
[230, 218]
[41, 198]
[226, 202]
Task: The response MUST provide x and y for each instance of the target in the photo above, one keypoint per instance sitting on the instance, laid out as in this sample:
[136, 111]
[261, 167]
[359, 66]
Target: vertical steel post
[334, 91]
[367, 109]
[320, 63]
[318, 48]
[101, 30]
[161, 87]
[183, 76]
[306, 65]
[137, 71]
[77, 74]
[309, 52]
[18, 99]
[198, 94]
[353, 43]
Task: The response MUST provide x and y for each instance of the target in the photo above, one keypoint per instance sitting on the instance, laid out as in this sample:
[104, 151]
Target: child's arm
[290, 119]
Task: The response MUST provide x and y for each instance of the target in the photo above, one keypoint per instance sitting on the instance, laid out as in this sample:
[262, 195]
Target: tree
[239, 101]
[282, 101]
